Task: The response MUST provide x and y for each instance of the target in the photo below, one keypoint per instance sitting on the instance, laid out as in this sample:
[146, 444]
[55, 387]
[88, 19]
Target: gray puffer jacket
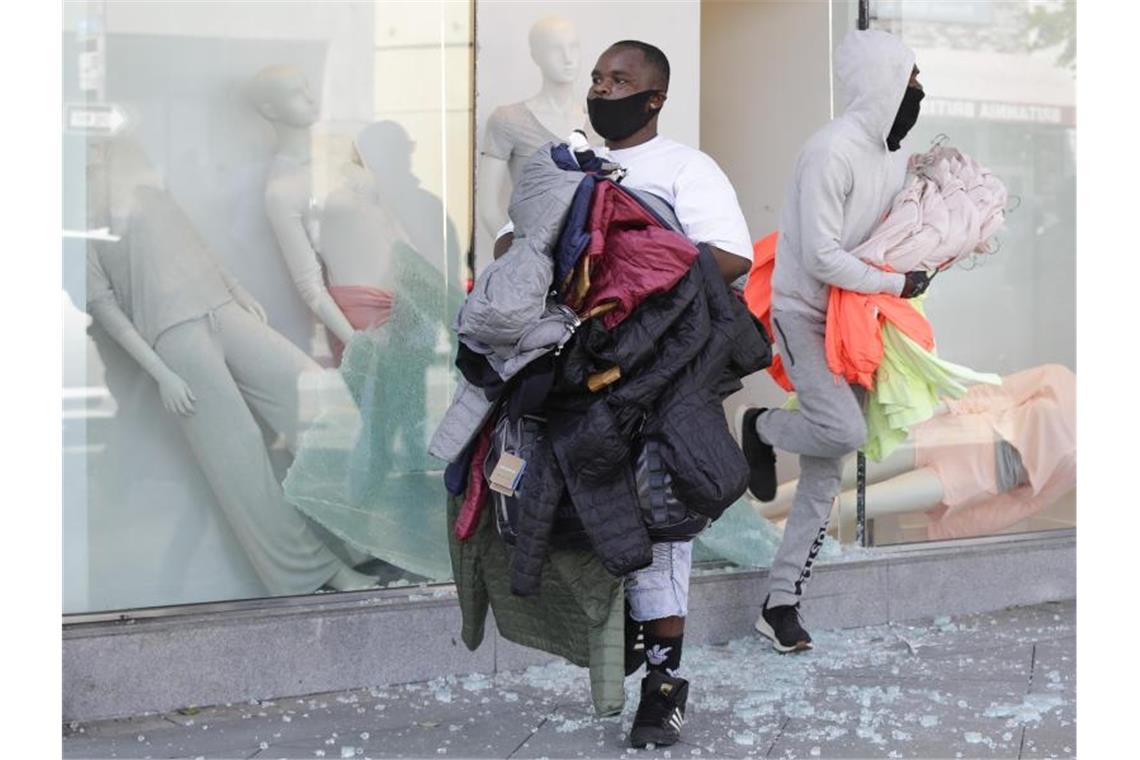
[508, 305]
[508, 316]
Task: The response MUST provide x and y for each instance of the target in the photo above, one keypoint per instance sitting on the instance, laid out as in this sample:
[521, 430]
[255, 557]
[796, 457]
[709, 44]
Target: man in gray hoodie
[843, 182]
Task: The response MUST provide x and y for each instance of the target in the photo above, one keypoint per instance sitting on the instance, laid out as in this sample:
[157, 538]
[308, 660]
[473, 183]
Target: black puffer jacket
[680, 354]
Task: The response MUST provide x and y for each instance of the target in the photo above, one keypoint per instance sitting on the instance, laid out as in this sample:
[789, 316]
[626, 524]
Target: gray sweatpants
[234, 364]
[826, 428]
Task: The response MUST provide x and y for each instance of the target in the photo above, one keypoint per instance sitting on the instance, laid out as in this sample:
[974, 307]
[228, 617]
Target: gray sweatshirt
[843, 182]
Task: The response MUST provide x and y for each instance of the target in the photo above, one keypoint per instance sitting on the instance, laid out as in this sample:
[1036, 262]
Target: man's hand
[916, 284]
[732, 267]
[503, 243]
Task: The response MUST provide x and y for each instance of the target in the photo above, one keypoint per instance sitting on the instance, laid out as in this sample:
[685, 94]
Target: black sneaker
[782, 625]
[661, 711]
[761, 457]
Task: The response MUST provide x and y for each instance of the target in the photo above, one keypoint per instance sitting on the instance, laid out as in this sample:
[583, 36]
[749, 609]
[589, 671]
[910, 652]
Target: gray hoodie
[843, 182]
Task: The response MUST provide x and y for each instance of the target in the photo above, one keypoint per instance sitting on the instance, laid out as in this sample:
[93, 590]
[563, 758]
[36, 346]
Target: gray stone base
[290, 647]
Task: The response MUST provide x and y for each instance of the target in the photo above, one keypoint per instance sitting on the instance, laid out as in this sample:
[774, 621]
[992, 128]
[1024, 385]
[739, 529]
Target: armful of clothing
[732, 267]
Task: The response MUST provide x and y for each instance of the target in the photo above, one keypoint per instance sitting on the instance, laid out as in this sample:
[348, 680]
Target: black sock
[663, 653]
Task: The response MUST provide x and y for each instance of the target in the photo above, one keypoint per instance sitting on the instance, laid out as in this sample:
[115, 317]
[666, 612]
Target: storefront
[271, 212]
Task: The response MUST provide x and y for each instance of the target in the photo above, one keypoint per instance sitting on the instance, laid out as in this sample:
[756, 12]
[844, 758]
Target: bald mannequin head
[554, 48]
[281, 94]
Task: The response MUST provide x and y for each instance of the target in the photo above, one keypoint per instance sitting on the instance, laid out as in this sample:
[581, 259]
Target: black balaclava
[905, 118]
[618, 118]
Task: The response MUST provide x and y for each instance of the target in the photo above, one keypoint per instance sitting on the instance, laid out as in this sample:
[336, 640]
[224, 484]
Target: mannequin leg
[230, 449]
[279, 381]
[902, 460]
[283, 386]
[915, 491]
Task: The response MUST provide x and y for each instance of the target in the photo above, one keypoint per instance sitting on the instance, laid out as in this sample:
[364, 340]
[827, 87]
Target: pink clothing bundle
[362, 306]
[949, 208]
[1035, 412]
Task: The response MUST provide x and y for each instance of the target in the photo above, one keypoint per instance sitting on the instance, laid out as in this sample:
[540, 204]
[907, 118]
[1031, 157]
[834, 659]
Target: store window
[271, 210]
[999, 79]
[1000, 82]
[267, 219]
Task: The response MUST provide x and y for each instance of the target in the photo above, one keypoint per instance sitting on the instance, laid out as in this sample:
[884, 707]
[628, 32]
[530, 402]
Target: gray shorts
[662, 589]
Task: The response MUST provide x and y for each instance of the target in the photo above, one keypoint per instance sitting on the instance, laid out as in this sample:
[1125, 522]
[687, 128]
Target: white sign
[94, 118]
[998, 111]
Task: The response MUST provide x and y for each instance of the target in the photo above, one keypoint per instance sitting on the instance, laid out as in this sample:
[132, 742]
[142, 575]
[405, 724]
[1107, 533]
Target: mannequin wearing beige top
[514, 132]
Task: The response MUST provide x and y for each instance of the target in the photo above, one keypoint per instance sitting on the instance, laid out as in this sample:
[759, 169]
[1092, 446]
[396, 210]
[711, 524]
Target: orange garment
[854, 337]
[758, 298]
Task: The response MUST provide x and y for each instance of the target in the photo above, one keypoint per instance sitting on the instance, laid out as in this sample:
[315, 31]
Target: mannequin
[159, 292]
[368, 479]
[282, 96]
[514, 132]
[949, 467]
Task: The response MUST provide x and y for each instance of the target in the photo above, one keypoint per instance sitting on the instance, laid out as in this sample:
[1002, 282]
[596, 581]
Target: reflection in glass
[368, 478]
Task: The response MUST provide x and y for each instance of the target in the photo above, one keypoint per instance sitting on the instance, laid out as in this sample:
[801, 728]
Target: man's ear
[657, 100]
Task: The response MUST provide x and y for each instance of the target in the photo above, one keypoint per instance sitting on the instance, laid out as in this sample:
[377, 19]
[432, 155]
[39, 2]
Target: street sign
[94, 118]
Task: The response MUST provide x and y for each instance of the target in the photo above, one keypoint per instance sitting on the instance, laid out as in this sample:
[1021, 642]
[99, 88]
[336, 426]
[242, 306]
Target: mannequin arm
[493, 183]
[176, 394]
[242, 297]
[305, 269]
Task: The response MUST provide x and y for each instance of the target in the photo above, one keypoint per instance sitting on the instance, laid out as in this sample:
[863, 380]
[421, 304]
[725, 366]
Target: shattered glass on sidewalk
[990, 685]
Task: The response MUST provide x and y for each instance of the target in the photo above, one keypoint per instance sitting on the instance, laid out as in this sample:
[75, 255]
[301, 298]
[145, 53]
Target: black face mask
[905, 118]
[619, 118]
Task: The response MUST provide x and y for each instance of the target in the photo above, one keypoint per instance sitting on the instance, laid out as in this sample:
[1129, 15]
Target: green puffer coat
[578, 614]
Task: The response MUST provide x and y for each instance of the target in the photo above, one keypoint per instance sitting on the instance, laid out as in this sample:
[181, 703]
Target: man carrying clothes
[844, 180]
[630, 82]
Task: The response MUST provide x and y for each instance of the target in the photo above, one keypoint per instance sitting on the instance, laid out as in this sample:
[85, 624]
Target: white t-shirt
[691, 182]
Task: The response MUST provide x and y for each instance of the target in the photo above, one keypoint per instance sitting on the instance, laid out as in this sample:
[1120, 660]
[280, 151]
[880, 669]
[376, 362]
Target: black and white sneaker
[761, 457]
[661, 712]
[782, 625]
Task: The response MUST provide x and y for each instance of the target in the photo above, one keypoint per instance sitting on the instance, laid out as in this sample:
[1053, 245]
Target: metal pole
[861, 458]
[861, 498]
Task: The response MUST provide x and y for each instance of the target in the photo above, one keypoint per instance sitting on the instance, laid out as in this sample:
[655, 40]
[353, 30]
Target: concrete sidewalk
[989, 685]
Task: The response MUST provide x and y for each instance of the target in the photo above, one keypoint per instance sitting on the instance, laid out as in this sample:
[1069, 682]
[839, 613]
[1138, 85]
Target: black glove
[916, 284]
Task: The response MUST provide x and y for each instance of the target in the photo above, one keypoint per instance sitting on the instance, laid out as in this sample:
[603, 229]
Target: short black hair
[653, 56]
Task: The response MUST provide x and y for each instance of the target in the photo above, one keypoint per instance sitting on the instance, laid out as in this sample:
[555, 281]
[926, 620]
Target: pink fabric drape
[1035, 411]
[363, 307]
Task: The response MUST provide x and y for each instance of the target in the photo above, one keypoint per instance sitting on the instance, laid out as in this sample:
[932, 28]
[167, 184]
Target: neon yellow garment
[908, 386]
